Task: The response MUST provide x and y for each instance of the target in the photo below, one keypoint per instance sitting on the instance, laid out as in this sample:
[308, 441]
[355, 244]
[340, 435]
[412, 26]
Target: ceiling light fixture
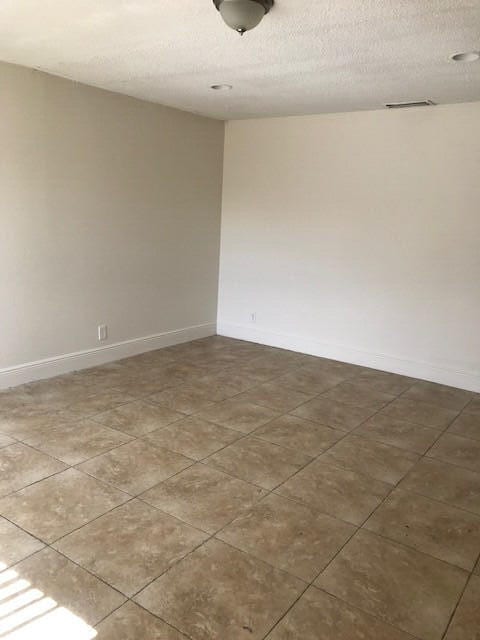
[221, 87]
[243, 15]
[468, 56]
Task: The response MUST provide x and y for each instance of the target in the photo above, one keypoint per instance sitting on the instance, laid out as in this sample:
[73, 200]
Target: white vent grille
[407, 105]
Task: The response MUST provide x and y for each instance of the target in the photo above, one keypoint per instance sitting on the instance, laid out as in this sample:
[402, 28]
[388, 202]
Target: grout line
[450, 620]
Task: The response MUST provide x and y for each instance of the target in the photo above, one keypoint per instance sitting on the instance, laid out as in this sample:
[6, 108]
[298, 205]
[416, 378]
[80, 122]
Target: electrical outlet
[253, 318]
[102, 332]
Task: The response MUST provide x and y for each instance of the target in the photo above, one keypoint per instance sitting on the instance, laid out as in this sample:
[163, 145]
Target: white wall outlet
[102, 332]
[253, 318]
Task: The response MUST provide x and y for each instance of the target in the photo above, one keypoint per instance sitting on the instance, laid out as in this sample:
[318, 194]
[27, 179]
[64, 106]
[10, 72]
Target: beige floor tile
[138, 418]
[69, 585]
[442, 531]
[467, 425]
[5, 441]
[23, 425]
[427, 415]
[142, 383]
[218, 593]
[184, 399]
[21, 466]
[98, 402]
[333, 414]
[309, 382]
[136, 466]
[339, 492]
[398, 433]
[203, 497]
[131, 622]
[303, 435]
[320, 616]
[466, 621]
[447, 483]
[384, 382]
[223, 385]
[325, 479]
[193, 437]
[288, 535]
[439, 395]
[275, 396]
[357, 395]
[77, 441]
[130, 546]
[333, 367]
[261, 371]
[454, 449]
[258, 462]
[15, 544]
[380, 461]
[238, 415]
[57, 505]
[474, 405]
[403, 587]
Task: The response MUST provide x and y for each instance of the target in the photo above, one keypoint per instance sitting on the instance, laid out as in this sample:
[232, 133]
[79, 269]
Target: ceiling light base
[243, 15]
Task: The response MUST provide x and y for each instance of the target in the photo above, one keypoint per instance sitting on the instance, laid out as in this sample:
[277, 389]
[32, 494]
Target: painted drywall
[357, 236]
[109, 213]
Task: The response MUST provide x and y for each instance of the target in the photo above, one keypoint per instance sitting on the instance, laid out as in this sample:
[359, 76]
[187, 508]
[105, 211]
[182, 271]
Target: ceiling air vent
[407, 105]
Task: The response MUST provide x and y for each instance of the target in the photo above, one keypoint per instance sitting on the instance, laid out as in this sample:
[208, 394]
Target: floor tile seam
[277, 568]
[103, 453]
[375, 439]
[394, 542]
[412, 548]
[383, 621]
[133, 495]
[273, 491]
[461, 435]
[31, 484]
[374, 410]
[35, 537]
[457, 604]
[443, 503]
[151, 613]
[394, 487]
[183, 634]
[138, 437]
[300, 596]
[420, 380]
[84, 524]
[318, 457]
[408, 422]
[96, 455]
[447, 462]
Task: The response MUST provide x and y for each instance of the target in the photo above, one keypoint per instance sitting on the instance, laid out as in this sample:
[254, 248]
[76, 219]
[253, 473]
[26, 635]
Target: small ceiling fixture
[243, 15]
[407, 105]
[221, 87]
[468, 56]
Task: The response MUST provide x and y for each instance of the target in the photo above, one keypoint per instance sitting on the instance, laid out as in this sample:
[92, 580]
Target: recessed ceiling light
[468, 56]
[221, 87]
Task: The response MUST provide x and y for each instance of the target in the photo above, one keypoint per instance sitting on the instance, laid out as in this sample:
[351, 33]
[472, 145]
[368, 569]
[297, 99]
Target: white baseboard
[415, 369]
[66, 363]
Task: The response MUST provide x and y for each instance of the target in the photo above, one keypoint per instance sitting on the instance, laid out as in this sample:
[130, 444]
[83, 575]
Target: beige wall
[109, 213]
[357, 236]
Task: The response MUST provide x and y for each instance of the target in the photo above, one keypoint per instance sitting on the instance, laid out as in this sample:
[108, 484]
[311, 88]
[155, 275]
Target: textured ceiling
[307, 56]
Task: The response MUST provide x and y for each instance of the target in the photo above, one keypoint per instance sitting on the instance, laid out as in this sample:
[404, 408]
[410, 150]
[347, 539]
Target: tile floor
[222, 490]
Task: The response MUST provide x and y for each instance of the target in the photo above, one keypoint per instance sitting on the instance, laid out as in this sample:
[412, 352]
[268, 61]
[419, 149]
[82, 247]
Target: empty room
[239, 320]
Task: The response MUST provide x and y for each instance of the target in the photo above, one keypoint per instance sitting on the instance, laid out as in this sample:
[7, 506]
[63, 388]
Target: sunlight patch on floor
[26, 613]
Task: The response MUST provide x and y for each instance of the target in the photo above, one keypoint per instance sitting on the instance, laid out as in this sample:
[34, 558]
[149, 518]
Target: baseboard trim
[423, 370]
[50, 367]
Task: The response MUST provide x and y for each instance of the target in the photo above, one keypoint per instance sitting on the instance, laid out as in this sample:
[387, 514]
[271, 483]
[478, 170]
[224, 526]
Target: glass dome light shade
[242, 15]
